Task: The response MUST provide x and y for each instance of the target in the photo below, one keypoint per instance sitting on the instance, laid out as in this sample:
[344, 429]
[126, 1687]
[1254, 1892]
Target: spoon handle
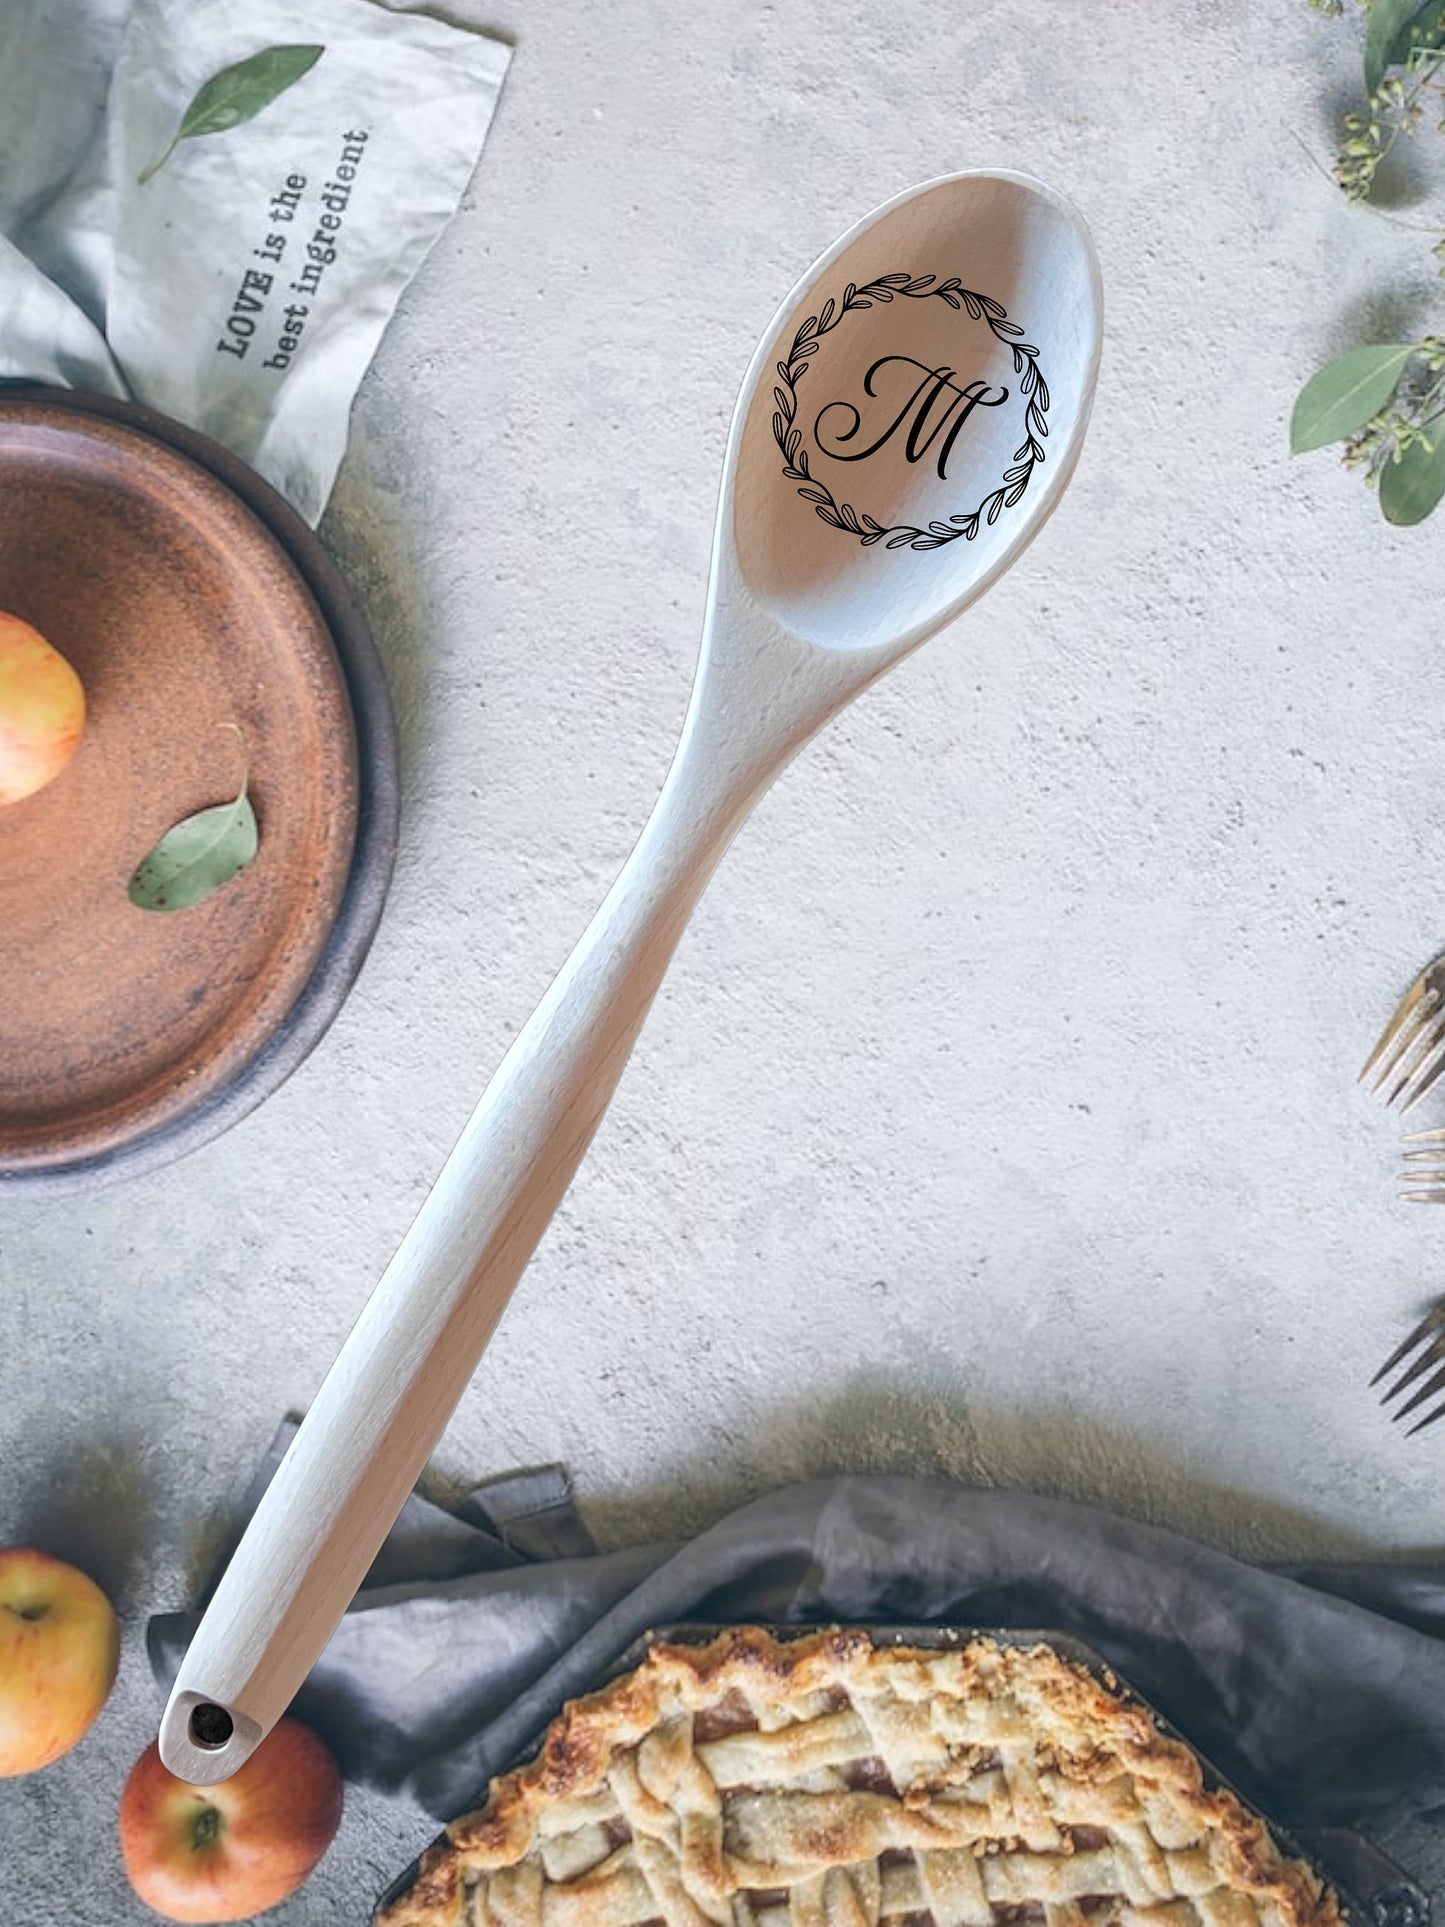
[386, 1400]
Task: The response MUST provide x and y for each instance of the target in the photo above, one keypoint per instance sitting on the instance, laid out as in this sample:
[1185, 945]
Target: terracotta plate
[184, 615]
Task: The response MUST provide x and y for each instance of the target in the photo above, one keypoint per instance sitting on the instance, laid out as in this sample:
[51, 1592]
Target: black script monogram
[934, 400]
[1033, 391]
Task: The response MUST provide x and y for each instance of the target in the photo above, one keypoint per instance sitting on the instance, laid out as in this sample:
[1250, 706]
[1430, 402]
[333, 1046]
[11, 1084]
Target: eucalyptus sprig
[1386, 402]
[1396, 106]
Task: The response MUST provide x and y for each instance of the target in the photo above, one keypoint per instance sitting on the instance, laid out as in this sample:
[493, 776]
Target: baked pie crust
[825, 1781]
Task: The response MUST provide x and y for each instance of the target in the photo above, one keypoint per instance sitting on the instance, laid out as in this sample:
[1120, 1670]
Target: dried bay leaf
[196, 856]
[238, 93]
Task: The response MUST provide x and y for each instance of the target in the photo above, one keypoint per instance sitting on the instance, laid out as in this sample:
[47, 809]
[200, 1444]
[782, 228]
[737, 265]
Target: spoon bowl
[910, 419]
[914, 413]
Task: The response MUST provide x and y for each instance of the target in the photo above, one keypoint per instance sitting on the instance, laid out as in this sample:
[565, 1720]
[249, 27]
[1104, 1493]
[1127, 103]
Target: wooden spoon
[910, 418]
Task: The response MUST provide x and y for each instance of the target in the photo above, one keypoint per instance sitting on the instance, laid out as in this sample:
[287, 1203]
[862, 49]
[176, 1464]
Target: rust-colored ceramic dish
[184, 613]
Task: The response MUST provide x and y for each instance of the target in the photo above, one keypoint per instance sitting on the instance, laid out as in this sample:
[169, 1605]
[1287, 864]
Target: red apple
[227, 1852]
[59, 1644]
[42, 710]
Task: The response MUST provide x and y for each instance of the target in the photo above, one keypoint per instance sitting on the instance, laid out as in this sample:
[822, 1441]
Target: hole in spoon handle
[203, 1741]
[211, 1725]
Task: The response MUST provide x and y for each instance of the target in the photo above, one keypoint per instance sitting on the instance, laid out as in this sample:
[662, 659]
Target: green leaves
[1345, 394]
[238, 94]
[197, 856]
[1411, 486]
[1394, 30]
[1387, 21]
[1386, 402]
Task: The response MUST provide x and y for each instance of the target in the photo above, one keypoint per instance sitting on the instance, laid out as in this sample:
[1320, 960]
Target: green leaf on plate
[238, 94]
[1345, 393]
[197, 856]
[1411, 487]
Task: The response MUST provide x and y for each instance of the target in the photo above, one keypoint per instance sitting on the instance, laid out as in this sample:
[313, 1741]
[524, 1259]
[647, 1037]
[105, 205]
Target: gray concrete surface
[999, 1115]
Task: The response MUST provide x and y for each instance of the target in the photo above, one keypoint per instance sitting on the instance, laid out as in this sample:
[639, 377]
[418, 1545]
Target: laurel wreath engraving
[842, 515]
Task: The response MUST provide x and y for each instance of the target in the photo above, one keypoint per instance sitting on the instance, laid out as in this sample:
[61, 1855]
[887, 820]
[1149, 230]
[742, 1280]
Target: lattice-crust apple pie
[826, 1781]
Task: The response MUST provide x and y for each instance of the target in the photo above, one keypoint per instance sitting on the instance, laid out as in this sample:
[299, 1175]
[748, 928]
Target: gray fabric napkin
[1320, 1690]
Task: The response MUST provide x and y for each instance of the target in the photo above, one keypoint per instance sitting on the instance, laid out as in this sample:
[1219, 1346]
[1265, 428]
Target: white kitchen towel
[243, 288]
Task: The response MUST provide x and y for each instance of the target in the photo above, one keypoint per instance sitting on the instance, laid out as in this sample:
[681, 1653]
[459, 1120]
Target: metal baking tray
[1373, 1891]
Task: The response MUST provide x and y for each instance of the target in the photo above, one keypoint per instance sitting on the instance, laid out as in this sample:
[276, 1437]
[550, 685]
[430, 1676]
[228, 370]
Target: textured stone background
[998, 1117]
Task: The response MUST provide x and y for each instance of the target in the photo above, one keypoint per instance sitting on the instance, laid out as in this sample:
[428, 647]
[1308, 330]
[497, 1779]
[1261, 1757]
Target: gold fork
[1427, 1342]
[1423, 1179]
[1410, 1053]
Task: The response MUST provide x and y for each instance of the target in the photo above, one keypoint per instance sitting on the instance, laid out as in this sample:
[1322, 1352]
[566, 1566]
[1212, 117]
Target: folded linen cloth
[244, 286]
[1320, 1691]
